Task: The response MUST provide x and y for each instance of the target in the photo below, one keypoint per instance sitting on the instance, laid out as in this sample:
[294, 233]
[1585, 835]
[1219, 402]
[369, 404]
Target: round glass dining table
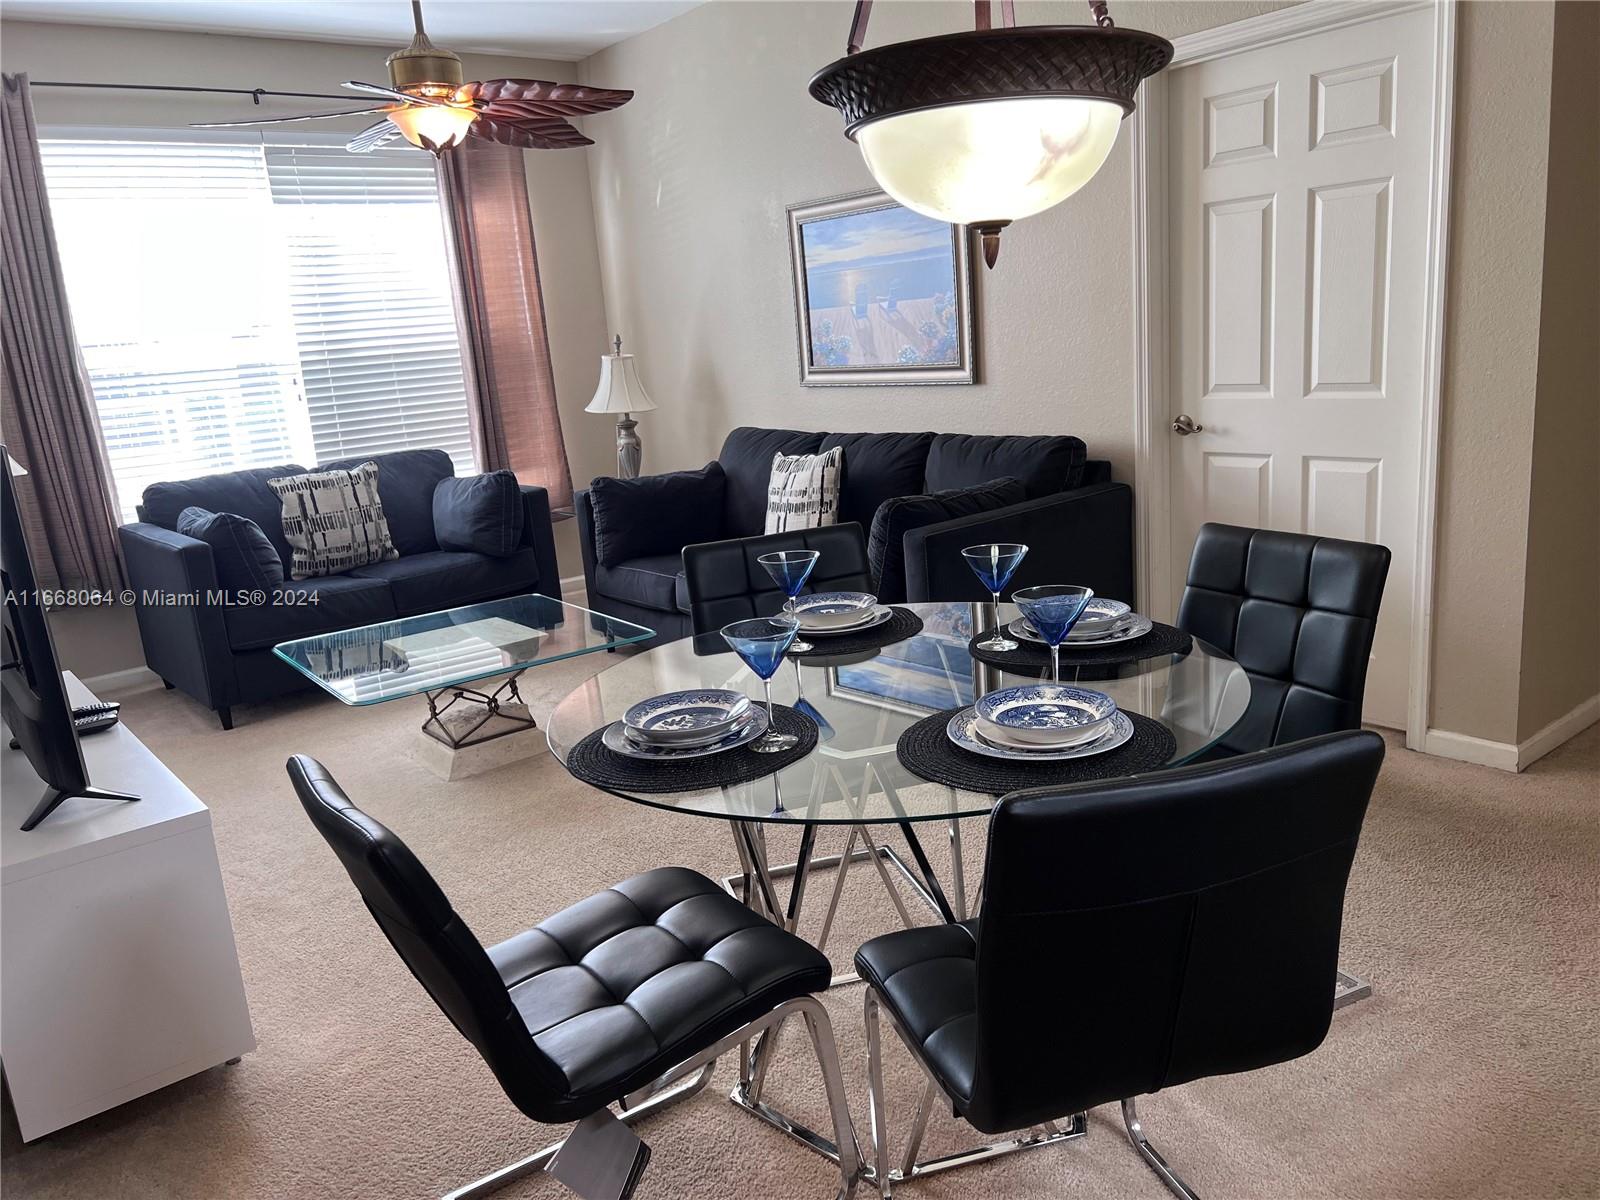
[861, 704]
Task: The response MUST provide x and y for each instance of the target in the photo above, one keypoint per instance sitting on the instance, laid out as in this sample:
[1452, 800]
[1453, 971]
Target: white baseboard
[1506, 756]
[1464, 748]
[1562, 729]
[123, 683]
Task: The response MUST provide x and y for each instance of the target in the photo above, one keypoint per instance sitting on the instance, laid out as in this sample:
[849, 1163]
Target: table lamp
[621, 392]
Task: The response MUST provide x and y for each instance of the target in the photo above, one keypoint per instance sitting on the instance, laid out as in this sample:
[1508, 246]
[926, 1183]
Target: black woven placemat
[593, 763]
[927, 751]
[1035, 656]
[904, 624]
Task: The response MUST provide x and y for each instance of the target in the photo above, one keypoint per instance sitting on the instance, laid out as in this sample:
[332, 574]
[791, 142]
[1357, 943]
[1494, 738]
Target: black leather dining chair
[725, 583]
[1298, 613]
[614, 1000]
[1135, 935]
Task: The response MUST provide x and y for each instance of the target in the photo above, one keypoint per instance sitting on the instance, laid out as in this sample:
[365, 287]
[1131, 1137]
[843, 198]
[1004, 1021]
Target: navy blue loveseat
[221, 654]
[1078, 523]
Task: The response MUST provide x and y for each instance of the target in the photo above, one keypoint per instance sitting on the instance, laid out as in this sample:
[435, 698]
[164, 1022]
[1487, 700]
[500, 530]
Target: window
[246, 305]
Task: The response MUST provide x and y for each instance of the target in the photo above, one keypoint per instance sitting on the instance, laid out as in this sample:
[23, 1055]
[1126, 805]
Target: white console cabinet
[118, 969]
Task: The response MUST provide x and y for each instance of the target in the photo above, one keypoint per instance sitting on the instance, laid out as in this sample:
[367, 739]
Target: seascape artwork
[882, 291]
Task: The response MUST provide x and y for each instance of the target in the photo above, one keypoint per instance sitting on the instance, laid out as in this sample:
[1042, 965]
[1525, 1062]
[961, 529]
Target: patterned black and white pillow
[803, 490]
[333, 520]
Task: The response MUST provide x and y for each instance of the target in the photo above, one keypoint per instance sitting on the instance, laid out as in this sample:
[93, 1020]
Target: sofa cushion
[877, 467]
[655, 581]
[656, 514]
[1045, 465]
[406, 479]
[479, 512]
[886, 546]
[245, 560]
[746, 456]
[442, 579]
[333, 520]
[309, 607]
[244, 493]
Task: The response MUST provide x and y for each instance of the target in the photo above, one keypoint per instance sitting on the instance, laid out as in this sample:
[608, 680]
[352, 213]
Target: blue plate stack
[687, 724]
[1047, 722]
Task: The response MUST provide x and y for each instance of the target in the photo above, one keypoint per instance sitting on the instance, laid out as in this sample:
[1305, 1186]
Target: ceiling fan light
[433, 127]
[991, 160]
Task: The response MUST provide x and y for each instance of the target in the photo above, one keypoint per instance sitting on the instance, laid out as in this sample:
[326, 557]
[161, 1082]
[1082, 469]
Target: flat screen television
[33, 696]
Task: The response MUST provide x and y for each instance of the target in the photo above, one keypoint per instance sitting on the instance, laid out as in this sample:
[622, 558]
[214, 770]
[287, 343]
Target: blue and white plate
[1044, 714]
[833, 610]
[873, 617]
[686, 718]
[1100, 614]
[1126, 629]
[963, 731]
[747, 729]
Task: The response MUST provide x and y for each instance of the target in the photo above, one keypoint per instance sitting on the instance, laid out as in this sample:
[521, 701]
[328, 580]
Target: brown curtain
[47, 413]
[510, 384]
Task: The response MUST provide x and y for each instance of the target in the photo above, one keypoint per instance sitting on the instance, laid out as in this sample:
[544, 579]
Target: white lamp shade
[994, 160]
[443, 126]
[620, 390]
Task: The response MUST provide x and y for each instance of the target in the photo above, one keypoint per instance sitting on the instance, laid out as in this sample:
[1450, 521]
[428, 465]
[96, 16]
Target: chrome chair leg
[1152, 1156]
[910, 1168]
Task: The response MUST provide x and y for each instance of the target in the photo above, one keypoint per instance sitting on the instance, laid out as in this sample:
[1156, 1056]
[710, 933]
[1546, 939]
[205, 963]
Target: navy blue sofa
[221, 654]
[1078, 523]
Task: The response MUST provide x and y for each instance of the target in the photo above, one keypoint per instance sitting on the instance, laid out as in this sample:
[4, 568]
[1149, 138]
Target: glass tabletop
[862, 704]
[427, 653]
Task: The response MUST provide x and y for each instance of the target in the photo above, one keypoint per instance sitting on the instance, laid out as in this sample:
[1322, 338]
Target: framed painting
[883, 295]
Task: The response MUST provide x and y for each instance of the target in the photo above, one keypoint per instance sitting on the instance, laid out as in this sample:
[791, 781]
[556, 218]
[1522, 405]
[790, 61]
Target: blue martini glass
[1053, 610]
[789, 570]
[762, 642]
[994, 566]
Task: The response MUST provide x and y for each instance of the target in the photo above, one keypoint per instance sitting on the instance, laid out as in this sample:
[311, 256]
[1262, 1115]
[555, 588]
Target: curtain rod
[255, 94]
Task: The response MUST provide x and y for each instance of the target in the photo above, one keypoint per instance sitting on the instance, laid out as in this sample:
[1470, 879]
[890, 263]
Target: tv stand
[118, 969]
[53, 798]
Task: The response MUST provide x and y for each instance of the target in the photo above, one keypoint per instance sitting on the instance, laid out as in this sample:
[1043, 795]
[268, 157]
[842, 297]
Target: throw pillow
[886, 546]
[479, 512]
[333, 521]
[655, 514]
[244, 556]
[803, 491]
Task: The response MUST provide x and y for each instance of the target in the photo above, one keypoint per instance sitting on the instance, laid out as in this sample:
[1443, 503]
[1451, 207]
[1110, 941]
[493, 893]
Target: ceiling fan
[430, 106]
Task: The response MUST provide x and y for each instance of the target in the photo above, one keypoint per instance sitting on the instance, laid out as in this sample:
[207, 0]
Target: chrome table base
[1347, 989]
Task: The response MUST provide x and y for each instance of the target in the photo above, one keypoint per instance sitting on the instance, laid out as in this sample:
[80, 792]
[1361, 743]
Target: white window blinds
[244, 305]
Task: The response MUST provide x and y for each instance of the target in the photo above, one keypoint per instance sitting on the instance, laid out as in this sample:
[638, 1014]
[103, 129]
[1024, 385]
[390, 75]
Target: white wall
[558, 186]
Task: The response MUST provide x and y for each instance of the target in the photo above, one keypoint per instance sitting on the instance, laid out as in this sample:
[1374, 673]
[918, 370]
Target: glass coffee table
[440, 655]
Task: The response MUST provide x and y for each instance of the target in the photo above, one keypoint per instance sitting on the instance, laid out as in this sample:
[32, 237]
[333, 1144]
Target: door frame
[1151, 303]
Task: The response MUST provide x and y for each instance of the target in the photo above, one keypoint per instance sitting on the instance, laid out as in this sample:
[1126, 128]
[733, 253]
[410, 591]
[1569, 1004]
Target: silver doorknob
[1183, 425]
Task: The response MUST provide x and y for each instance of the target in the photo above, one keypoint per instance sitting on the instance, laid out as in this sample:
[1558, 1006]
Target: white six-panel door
[1298, 221]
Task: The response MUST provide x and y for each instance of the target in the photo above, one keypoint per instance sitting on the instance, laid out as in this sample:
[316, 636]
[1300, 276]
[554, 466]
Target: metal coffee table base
[465, 728]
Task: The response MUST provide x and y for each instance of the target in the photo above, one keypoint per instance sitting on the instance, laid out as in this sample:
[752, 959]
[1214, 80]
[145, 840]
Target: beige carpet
[1472, 1073]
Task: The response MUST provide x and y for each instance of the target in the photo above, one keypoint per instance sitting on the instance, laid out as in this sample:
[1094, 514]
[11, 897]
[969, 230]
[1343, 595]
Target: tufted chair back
[727, 584]
[1299, 613]
[431, 938]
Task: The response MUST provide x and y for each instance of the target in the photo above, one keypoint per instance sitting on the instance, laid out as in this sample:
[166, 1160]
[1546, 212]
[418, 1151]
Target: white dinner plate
[963, 731]
[877, 617]
[748, 730]
[1131, 627]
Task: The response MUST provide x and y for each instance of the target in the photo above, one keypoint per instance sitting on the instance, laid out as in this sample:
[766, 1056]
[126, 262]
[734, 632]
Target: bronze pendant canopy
[1090, 62]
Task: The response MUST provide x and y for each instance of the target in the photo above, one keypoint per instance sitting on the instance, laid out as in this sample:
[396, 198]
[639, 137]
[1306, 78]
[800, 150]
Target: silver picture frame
[944, 335]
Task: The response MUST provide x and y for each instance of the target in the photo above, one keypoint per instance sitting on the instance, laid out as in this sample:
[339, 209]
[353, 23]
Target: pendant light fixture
[987, 127]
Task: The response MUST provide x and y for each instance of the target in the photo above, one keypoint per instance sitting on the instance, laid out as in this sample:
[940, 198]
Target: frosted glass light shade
[620, 390]
[993, 160]
[442, 125]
